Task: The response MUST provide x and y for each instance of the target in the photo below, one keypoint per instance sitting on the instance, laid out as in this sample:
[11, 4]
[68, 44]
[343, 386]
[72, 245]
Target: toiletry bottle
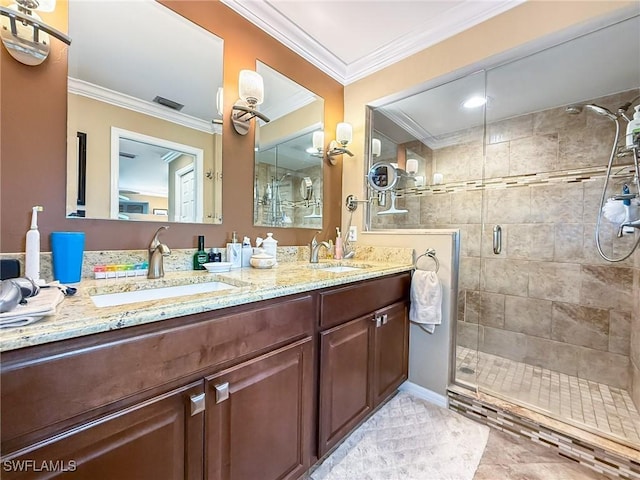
[247, 251]
[215, 255]
[633, 129]
[338, 247]
[200, 257]
[32, 248]
[270, 246]
[234, 252]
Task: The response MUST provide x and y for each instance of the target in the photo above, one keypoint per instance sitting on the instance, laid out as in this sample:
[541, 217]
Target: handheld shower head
[601, 111]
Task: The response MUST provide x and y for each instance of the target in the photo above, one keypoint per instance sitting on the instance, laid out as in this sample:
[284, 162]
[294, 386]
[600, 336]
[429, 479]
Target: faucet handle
[155, 242]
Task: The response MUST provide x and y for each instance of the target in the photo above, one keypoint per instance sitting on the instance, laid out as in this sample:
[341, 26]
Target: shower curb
[566, 445]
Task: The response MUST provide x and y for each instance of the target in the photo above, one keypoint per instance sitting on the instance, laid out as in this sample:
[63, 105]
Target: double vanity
[257, 378]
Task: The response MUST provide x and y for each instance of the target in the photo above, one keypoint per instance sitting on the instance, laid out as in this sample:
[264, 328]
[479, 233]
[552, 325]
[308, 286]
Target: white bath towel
[426, 300]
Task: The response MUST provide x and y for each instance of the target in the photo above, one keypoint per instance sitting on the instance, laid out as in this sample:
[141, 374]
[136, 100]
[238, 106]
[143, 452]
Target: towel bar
[431, 253]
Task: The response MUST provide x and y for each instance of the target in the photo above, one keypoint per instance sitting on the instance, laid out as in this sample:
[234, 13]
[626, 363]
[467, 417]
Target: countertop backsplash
[182, 259]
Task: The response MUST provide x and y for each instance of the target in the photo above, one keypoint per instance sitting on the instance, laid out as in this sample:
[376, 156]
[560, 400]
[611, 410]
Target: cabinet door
[391, 351]
[159, 438]
[346, 363]
[258, 417]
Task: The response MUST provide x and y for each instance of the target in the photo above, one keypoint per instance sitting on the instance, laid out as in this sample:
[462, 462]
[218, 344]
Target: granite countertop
[77, 315]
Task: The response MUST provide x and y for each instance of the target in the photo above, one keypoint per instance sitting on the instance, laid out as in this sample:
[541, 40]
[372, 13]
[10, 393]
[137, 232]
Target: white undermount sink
[339, 269]
[161, 293]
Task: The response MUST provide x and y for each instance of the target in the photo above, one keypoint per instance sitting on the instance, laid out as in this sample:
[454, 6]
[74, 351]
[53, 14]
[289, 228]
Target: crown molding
[268, 19]
[121, 100]
[434, 30]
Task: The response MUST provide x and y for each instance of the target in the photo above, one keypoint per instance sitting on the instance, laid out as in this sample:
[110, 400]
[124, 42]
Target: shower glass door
[554, 317]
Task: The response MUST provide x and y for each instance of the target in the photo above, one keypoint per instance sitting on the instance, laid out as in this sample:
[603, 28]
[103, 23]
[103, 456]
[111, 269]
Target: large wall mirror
[288, 181]
[144, 114]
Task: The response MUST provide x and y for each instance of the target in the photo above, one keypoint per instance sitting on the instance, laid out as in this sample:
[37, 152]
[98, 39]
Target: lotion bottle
[32, 248]
[338, 247]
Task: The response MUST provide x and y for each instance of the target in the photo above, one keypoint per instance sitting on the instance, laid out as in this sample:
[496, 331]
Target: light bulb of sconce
[318, 140]
[344, 133]
[376, 147]
[251, 87]
[412, 166]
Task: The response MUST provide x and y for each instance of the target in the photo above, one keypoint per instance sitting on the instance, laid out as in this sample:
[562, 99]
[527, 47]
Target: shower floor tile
[604, 409]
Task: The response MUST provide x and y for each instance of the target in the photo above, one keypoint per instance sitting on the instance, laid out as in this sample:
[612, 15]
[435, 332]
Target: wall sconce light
[24, 34]
[251, 90]
[412, 166]
[344, 135]
[317, 144]
[376, 147]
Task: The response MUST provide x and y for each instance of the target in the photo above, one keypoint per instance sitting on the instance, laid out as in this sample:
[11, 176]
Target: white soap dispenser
[32, 248]
[633, 129]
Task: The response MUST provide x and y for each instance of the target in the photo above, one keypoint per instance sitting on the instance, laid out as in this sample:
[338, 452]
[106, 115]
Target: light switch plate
[353, 233]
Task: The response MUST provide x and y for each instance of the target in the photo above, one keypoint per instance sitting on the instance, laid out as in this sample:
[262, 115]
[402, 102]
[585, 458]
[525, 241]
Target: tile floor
[606, 410]
[507, 457]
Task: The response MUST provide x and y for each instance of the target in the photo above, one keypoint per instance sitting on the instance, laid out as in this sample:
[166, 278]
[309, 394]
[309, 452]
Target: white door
[185, 200]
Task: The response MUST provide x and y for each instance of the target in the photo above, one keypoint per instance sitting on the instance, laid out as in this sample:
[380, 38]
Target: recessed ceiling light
[474, 102]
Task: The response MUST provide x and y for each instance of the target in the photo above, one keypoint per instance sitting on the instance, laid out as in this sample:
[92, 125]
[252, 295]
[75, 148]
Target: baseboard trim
[425, 394]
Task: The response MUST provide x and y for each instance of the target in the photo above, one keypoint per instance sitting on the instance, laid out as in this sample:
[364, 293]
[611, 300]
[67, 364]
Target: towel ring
[431, 253]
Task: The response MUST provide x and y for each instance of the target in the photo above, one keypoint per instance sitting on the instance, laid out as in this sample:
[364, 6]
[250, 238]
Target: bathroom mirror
[144, 122]
[288, 182]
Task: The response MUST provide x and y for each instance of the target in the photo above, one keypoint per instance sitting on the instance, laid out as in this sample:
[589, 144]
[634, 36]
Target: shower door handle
[497, 239]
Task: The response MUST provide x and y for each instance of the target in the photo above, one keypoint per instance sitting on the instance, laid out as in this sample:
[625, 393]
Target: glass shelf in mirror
[288, 175]
[153, 76]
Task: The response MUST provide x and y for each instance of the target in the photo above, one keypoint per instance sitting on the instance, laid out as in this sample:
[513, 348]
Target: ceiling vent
[168, 103]
[127, 155]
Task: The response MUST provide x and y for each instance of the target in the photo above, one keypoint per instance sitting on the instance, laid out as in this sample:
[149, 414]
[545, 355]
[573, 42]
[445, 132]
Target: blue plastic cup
[67, 249]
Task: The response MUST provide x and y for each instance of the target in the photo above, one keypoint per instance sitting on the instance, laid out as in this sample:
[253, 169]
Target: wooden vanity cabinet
[364, 359]
[133, 403]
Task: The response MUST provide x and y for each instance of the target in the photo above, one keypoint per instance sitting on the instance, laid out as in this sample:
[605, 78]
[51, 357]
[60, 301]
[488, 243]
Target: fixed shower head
[601, 111]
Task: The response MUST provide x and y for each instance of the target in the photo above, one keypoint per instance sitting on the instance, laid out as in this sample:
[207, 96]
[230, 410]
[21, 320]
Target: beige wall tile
[554, 281]
[533, 154]
[542, 242]
[553, 355]
[505, 276]
[469, 277]
[607, 287]
[435, 209]
[635, 384]
[553, 203]
[470, 240]
[467, 335]
[619, 332]
[604, 367]
[509, 205]
[568, 242]
[528, 315]
[492, 309]
[586, 147]
[504, 343]
[466, 207]
[518, 241]
[555, 119]
[473, 304]
[497, 160]
[510, 129]
[580, 325]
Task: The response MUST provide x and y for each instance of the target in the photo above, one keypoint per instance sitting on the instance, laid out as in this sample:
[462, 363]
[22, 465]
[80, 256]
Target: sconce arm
[36, 24]
[244, 111]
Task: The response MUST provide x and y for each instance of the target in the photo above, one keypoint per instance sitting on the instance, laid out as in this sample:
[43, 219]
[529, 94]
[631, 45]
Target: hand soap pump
[32, 248]
[234, 252]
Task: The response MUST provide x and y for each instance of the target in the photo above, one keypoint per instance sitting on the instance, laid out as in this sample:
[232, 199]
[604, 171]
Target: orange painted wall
[33, 105]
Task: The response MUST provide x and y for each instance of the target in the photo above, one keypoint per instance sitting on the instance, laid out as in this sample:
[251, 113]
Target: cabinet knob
[197, 404]
[385, 319]
[378, 319]
[222, 392]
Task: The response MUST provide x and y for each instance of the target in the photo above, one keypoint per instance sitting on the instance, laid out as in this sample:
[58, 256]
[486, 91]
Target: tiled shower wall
[548, 298]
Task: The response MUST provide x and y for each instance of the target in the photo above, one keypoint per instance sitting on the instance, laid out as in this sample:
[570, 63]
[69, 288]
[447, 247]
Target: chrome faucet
[634, 224]
[157, 251]
[314, 249]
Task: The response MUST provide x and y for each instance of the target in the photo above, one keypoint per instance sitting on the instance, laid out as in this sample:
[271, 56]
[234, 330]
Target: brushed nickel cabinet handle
[197, 404]
[222, 392]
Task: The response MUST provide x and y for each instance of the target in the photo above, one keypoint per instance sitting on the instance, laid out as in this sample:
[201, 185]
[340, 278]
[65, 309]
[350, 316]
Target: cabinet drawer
[342, 304]
[42, 390]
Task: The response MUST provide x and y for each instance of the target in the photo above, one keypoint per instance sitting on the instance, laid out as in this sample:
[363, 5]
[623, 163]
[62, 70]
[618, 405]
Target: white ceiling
[352, 39]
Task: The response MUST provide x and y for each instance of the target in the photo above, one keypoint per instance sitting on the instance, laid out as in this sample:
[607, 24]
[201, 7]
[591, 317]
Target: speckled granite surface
[77, 316]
